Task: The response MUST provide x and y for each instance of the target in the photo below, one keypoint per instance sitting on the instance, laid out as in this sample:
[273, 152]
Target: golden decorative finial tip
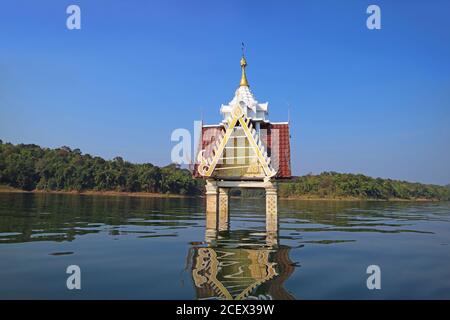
[243, 62]
[244, 82]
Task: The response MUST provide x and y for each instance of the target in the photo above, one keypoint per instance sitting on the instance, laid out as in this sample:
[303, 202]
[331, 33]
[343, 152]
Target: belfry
[245, 150]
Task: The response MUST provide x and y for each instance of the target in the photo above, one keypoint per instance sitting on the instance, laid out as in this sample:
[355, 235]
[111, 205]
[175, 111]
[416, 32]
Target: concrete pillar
[271, 208]
[211, 209]
[272, 239]
[223, 209]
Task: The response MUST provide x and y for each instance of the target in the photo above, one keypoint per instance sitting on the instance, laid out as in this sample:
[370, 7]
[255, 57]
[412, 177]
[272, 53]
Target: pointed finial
[244, 82]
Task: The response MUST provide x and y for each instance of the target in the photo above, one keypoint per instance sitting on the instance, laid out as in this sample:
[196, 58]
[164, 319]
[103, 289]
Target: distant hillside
[30, 167]
[358, 186]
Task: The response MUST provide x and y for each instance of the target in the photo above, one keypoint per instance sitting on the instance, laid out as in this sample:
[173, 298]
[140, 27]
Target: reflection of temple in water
[239, 264]
[239, 273]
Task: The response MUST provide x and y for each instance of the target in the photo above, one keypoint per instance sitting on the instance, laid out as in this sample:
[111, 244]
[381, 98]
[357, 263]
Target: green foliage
[29, 167]
[340, 185]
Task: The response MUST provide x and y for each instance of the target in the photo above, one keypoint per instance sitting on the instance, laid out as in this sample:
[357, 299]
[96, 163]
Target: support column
[272, 239]
[223, 209]
[211, 210]
[271, 214]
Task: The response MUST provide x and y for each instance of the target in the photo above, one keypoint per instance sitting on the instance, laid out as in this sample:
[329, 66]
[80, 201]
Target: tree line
[29, 167]
[341, 185]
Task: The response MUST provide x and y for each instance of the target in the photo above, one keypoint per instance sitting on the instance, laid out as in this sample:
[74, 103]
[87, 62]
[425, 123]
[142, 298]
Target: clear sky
[375, 102]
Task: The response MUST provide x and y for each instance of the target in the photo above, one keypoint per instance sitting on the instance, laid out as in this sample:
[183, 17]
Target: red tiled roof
[271, 135]
[284, 150]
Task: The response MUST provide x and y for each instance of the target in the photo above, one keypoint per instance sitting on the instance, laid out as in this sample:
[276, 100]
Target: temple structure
[244, 150]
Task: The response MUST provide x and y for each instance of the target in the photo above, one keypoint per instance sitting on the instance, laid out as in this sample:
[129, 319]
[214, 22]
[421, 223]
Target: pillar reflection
[228, 267]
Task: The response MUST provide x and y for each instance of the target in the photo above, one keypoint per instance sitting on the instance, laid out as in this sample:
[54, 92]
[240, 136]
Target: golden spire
[244, 82]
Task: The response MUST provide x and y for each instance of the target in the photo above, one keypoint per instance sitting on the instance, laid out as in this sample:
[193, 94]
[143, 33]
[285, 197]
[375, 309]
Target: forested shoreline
[30, 167]
[357, 186]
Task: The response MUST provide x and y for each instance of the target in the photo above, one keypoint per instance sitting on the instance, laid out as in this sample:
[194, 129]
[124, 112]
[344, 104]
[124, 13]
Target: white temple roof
[244, 97]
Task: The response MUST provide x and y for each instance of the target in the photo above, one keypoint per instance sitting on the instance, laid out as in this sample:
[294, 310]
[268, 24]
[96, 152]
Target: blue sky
[375, 102]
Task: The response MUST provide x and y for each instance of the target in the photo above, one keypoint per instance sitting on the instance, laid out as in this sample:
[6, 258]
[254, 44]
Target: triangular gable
[254, 269]
[207, 166]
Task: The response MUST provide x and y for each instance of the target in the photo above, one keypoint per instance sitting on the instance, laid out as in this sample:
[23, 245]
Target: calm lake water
[151, 248]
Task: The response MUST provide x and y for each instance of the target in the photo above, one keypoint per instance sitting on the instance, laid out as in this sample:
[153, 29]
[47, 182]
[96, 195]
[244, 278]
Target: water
[151, 248]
